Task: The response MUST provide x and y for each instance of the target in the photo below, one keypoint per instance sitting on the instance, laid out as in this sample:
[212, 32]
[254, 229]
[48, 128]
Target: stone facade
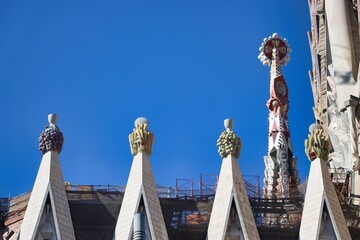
[335, 46]
[335, 49]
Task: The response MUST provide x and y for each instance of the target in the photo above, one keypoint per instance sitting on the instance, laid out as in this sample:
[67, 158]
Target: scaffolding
[208, 184]
[252, 184]
[184, 188]
[341, 180]
[187, 208]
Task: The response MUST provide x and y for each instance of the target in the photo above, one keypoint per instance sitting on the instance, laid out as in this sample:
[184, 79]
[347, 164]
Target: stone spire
[48, 215]
[140, 212]
[281, 177]
[322, 216]
[231, 214]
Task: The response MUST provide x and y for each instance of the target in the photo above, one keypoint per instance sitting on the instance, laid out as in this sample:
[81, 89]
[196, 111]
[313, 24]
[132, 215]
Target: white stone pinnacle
[228, 124]
[52, 119]
[231, 208]
[231, 189]
[322, 216]
[314, 126]
[49, 185]
[140, 187]
[48, 209]
[140, 120]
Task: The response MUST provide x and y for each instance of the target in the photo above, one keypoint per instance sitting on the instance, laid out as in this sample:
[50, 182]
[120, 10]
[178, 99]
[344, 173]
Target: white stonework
[335, 47]
[322, 216]
[335, 50]
[356, 182]
[48, 215]
[231, 191]
[141, 185]
[343, 50]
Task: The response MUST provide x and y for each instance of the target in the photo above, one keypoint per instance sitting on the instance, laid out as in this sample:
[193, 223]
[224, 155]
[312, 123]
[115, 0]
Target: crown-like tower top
[274, 49]
[274, 52]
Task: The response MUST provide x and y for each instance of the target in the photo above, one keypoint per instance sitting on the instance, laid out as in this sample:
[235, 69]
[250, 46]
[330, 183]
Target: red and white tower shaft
[281, 177]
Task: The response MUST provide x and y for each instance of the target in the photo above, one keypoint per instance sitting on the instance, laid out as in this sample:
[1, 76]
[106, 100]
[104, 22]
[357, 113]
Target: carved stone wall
[334, 45]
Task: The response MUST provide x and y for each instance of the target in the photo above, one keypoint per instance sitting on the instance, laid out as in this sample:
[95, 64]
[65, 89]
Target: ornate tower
[48, 215]
[322, 216]
[231, 215]
[140, 214]
[281, 177]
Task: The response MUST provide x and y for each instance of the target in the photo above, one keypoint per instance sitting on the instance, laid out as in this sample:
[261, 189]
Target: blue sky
[184, 65]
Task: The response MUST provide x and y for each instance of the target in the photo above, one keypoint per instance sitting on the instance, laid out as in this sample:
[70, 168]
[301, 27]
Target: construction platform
[94, 211]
